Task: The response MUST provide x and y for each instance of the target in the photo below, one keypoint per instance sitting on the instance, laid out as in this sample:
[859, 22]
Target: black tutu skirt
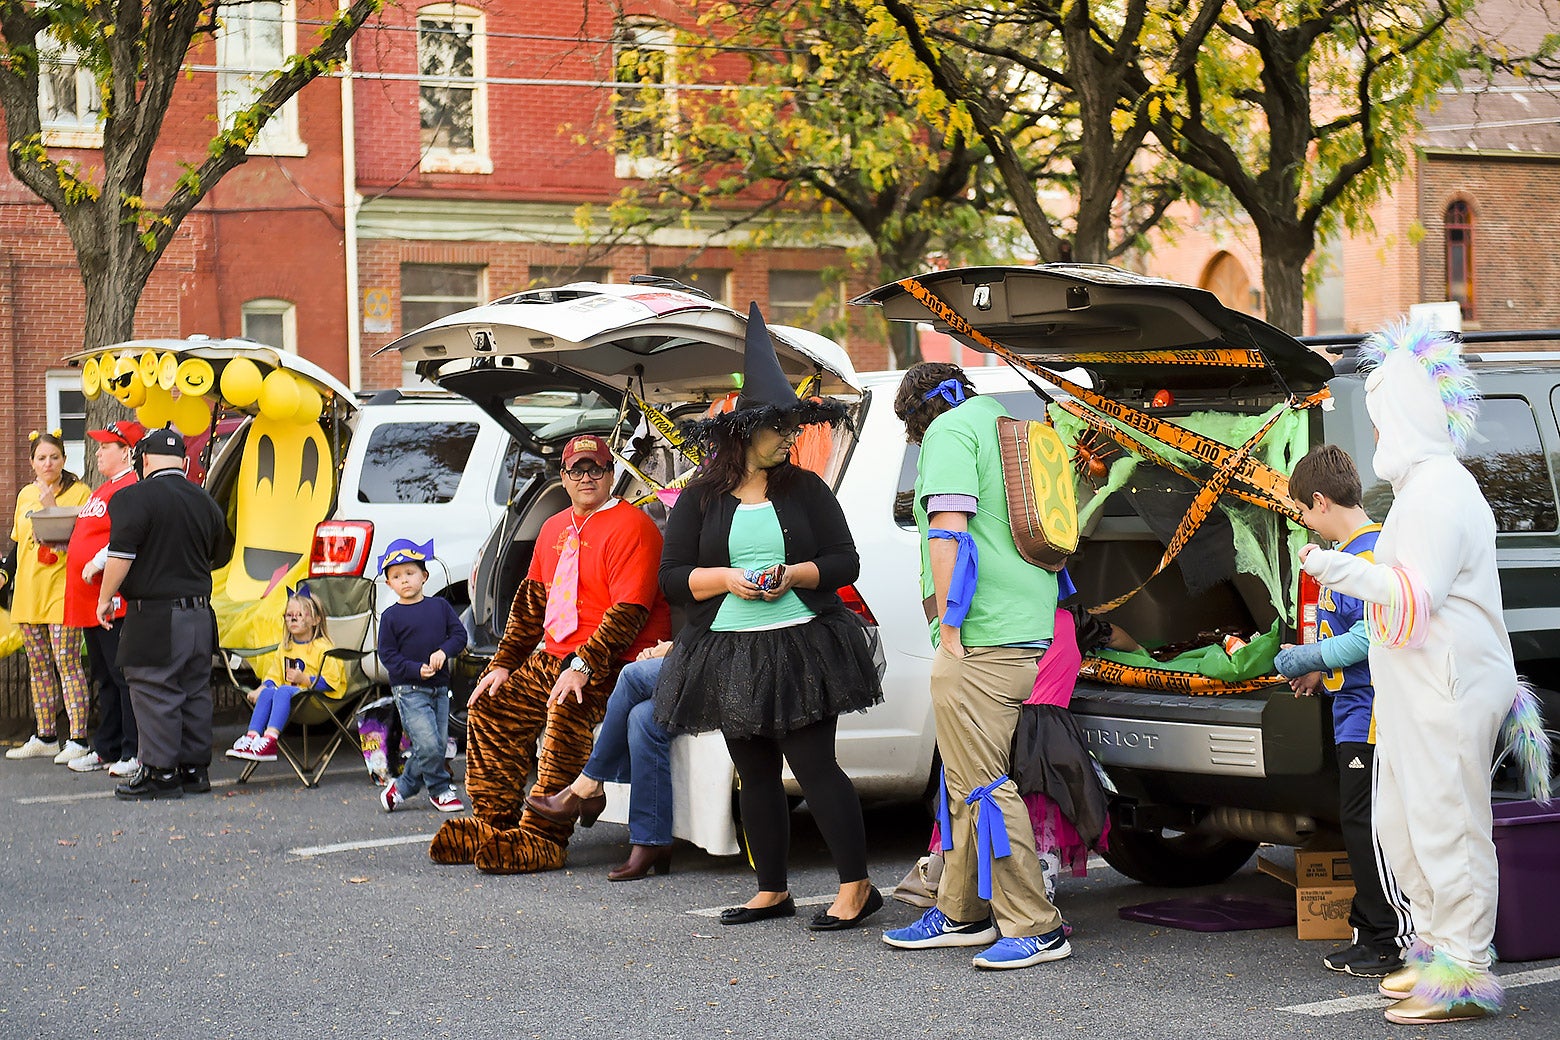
[769, 683]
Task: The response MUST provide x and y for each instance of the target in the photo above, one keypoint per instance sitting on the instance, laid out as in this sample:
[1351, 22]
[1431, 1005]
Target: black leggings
[766, 817]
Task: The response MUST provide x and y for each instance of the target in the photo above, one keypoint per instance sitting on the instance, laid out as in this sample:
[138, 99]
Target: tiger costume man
[591, 600]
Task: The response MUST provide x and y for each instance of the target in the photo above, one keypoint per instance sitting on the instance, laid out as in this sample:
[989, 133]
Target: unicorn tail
[1525, 739]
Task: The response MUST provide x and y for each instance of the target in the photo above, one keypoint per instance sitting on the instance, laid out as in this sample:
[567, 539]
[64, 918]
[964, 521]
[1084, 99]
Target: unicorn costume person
[1442, 665]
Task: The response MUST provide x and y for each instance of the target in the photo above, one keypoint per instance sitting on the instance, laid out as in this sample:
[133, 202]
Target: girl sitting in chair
[301, 664]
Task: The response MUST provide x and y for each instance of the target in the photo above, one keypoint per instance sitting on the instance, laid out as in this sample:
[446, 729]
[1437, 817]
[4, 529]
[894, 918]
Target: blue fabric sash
[966, 571]
[991, 837]
[950, 390]
[944, 817]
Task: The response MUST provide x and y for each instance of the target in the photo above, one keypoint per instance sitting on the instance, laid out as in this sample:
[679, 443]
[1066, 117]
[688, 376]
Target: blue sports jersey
[1348, 686]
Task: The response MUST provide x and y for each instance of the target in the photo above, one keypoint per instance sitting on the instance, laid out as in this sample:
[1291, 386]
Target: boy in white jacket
[1442, 666]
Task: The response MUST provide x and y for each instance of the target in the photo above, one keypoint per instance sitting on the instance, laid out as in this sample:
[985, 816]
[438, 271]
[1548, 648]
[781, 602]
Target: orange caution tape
[1163, 679]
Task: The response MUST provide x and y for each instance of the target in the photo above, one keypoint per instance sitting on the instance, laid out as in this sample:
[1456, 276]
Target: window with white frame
[429, 292]
[254, 40]
[272, 322]
[451, 95]
[643, 99]
[66, 411]
[70, 103]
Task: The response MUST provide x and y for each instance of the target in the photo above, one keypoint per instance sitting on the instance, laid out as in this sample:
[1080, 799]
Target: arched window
[1459, 256]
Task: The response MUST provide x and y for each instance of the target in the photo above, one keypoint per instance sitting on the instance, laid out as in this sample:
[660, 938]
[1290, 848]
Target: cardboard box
[1324, 892]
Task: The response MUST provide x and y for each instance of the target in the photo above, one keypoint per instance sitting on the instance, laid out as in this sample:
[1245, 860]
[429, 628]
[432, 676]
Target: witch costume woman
[755, 550]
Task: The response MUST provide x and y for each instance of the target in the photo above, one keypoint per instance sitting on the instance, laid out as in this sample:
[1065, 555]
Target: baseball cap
[125, 431]
[587, 447]
[161, 442]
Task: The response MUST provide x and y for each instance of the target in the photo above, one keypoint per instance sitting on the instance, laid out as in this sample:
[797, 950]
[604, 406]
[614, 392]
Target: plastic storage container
[1527, 847]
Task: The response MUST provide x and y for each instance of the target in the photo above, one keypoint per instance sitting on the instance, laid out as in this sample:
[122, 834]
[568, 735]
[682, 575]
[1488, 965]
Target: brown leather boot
[566, 806]
[643, 860]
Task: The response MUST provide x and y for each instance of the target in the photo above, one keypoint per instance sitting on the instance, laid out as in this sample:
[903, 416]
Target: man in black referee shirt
[165, 537]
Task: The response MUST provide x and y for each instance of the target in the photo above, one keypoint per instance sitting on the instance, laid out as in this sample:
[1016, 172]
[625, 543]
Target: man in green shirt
[992, 615]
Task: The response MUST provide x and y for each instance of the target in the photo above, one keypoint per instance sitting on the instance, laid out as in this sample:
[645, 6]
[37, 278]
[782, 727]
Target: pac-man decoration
[90, 387]
[285, 486]
[279, 396]
[191, 414]
[158, 409]
[148, 367]
[194, 376]
[241, 383]
[168, 371]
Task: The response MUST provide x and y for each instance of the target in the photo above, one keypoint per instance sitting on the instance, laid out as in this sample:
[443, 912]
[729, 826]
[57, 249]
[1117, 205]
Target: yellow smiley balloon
[148, 367]
[90, 387]
[194, 376]
[167, 371]
[285, 485]
[124, 381]
[158, 409]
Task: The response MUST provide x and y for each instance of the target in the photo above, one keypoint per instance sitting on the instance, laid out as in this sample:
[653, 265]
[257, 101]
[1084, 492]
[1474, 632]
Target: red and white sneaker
[263, 749]
[390, 798]
[242, 746]
[449, 801]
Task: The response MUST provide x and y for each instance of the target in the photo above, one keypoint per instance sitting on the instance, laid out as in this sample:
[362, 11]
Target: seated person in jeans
[417, 636]
[630, 748]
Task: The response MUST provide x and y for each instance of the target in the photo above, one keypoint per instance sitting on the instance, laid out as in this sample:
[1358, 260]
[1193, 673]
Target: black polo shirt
[173, 533]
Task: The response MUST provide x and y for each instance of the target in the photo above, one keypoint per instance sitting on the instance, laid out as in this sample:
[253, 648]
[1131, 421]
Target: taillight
[341, 547]
[1310, 595]
[857, 605]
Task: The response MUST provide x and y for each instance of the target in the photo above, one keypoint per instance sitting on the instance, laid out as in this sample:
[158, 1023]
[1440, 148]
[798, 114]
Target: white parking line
[1344, 1005]
[353, 846]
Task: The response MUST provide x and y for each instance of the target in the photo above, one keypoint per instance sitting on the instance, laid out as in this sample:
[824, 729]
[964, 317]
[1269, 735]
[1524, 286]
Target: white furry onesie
[1440, 659]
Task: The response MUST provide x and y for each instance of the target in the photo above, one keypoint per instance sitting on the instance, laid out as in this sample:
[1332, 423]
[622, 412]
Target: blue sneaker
[1025, 951]
[935, 929]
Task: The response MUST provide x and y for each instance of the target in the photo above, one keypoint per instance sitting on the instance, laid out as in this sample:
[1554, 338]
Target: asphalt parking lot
[271, 910]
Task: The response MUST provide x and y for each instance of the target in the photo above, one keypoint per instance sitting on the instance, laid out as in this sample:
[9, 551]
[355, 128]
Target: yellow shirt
[39, 596]
[310, 658]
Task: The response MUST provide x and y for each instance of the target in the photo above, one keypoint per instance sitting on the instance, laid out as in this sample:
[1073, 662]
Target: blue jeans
[632, 749]
[273, 704]
[425, 717]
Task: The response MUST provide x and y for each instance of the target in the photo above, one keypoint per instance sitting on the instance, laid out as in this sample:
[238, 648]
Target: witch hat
[763, 383]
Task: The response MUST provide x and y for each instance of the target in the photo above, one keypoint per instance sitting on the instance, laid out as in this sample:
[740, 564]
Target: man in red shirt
[591, 599]
[114, 743]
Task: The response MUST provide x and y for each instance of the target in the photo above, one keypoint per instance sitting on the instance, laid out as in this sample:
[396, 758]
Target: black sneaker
[195, 779]
[151, 783]
[1339, 960]
[1375, 963]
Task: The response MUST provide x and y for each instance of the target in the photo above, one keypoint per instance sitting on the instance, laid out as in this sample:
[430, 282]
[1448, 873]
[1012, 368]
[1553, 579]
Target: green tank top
[756, 541]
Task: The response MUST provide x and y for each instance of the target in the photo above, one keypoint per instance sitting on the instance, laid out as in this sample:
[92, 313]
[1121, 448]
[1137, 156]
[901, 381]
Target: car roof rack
[1344, 347]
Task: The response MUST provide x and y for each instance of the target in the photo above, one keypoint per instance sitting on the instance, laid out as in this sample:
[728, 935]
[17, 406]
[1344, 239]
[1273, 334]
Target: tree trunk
[113, 288]
[1285, 250]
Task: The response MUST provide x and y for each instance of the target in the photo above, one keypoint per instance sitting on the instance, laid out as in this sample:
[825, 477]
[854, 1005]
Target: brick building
[262, 256]
[1472, 220]
[479, 138]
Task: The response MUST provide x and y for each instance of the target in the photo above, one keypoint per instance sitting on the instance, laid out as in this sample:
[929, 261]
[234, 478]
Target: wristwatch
[577, 664]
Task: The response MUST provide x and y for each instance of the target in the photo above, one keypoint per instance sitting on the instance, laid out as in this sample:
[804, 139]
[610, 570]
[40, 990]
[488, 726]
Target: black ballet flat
[743, 914]
[827, 922]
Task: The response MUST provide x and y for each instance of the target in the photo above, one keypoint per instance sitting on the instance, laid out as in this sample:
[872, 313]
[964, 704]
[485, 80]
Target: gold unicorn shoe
[1423, 1011]
[1400, 984]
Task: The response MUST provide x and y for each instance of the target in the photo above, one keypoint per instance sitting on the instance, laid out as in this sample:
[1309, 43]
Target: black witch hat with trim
[767, 395]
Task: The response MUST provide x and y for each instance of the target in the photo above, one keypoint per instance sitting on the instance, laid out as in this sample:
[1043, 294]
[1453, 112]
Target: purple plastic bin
[1527, 847]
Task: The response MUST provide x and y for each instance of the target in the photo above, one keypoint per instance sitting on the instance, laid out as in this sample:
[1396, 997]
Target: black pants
[173, 698]
[766, 818]
[1379, 915]
[115, 739]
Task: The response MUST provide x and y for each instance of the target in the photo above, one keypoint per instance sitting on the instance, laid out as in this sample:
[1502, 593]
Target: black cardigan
[810, 520]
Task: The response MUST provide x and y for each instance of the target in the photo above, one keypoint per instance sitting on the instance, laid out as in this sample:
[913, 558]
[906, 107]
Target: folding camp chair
[350, 625]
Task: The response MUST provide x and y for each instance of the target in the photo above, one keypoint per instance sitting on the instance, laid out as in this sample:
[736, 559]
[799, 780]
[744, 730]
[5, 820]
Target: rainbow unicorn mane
[1440, 355]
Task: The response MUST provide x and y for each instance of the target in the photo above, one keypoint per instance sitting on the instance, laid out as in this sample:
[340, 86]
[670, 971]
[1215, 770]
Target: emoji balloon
[279, 396]
[241, 383]
[194, 376]
[90, 386]
[191, 414]
[285, 486]
[148, 367]
[168, 370]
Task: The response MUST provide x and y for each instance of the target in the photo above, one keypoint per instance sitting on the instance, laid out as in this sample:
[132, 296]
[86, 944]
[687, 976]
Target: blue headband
[950, 390]
[301, 590]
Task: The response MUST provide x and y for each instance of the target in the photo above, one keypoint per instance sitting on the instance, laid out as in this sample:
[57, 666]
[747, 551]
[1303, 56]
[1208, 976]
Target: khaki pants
[976, 702]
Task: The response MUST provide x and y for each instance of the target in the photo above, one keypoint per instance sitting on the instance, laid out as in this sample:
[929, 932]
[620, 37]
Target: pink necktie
[563, 595]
